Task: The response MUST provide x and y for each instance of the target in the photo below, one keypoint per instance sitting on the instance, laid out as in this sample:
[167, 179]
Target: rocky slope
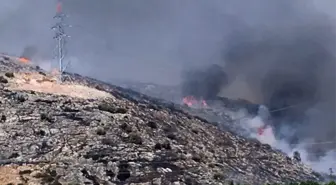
[89, 132]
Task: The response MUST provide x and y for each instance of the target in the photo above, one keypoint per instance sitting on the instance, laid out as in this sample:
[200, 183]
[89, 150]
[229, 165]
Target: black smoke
[291, 76]
[204, 83]
[290, 65]
[29, 52]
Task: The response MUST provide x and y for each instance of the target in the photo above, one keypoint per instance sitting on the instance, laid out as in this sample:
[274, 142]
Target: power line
[271, 111]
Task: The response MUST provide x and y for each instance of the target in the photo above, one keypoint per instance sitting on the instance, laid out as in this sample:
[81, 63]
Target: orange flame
[59, 7]
[189, 101]
[23, 60]
[192, 101]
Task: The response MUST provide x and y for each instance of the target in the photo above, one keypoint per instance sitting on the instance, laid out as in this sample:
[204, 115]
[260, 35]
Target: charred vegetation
[122, 137]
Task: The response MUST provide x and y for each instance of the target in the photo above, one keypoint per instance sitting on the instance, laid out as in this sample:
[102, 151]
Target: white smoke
[259, 129]
[264, 133]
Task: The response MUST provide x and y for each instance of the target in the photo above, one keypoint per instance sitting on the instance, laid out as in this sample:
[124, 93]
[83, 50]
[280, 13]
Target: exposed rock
[297, 156]
[114, 136]
[3, 80]
[9, 75]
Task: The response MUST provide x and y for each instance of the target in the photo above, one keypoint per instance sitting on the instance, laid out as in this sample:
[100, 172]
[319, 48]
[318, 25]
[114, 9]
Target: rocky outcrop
[48, 137]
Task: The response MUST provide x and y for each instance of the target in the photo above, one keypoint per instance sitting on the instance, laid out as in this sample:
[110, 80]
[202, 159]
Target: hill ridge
[126, 137]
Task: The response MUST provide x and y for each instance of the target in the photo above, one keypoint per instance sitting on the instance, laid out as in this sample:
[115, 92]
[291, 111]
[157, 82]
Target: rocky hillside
[89, 132]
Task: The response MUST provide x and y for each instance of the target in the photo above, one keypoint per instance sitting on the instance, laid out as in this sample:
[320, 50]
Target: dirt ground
[15, 175]
[48, 84]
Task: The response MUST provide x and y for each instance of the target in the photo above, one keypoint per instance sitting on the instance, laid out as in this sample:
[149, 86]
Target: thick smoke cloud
[289, 69]
[288, 64]
[149, 41]
[152, 41]
[204, 83]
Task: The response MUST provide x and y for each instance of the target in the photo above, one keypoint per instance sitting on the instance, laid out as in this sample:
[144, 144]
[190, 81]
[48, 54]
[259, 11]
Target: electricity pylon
[61, 39]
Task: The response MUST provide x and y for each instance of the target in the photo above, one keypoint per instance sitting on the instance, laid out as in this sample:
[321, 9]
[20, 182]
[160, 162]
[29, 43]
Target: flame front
[23, 60]
[191, 101]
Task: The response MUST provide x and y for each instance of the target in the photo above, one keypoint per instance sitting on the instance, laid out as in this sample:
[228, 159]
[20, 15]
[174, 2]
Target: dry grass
[48, 84]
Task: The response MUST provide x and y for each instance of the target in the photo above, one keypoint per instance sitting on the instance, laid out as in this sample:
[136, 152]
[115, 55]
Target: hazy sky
[145, 40]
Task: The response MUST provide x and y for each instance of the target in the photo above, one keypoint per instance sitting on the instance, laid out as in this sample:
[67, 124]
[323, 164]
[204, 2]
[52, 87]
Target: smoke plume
[205, 83]
[288, 65]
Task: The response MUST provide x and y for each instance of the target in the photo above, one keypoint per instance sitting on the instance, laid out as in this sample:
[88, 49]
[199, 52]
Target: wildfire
[191, 101]
[24, 60]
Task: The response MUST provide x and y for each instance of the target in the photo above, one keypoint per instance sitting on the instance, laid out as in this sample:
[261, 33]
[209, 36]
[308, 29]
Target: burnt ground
[90, 132]
[221, 111]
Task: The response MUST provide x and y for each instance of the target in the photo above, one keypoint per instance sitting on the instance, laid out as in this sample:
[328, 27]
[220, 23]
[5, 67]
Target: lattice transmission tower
[61, 40]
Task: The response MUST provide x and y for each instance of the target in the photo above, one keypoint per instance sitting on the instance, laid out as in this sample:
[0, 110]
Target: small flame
[23, 60]
[191, 101]
[59, 7]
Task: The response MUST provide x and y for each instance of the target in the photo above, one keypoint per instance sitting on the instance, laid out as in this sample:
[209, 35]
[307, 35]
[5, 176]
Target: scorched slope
[89, 132]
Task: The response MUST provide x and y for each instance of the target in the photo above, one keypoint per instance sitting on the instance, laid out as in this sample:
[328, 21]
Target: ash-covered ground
[85, 131]
[242, 117]
[276, 53]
